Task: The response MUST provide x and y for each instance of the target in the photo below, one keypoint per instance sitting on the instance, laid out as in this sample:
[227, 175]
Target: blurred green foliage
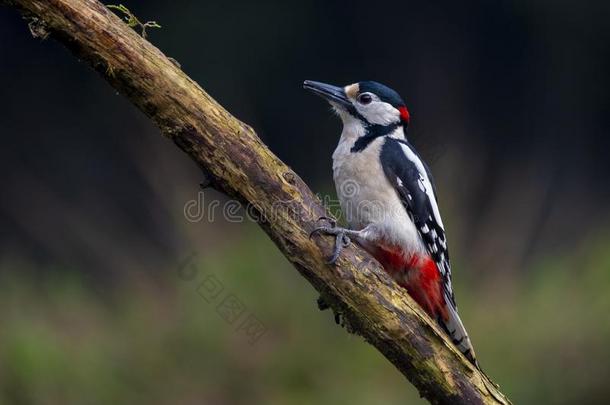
[510, 108]
[67, 340]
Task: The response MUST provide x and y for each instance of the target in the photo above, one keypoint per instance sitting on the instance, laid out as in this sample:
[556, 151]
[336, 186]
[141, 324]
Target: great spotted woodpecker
[388, 198]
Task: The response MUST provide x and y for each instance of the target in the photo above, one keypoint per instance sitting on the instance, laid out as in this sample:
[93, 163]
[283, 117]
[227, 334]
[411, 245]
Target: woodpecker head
[371, 103]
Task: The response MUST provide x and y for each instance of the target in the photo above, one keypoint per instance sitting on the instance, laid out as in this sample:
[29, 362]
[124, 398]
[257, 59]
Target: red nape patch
[404, 114]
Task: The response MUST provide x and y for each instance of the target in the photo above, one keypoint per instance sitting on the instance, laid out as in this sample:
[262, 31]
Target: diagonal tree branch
[240, 165]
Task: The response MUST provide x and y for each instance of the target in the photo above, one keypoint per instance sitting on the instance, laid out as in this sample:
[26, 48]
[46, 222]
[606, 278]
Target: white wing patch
[424, 182]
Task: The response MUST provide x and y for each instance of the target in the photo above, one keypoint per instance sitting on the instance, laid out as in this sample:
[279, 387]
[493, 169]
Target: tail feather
[455, 329]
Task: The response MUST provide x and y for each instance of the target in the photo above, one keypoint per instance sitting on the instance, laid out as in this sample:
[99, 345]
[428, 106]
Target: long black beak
[328, 91]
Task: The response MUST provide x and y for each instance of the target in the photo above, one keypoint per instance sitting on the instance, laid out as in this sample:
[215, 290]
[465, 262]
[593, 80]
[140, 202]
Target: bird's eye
[365, 98]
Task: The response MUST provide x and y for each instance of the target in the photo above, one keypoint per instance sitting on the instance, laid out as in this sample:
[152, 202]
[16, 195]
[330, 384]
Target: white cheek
[347, 119]
[379, 112]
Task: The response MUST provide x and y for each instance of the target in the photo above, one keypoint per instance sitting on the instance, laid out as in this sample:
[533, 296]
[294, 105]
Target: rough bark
[243, 167]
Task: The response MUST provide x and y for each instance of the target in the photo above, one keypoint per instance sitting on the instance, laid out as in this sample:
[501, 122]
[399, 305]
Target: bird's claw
[331, 221]
[341, 239]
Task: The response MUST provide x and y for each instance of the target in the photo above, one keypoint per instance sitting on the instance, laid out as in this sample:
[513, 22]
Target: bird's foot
[342, 239]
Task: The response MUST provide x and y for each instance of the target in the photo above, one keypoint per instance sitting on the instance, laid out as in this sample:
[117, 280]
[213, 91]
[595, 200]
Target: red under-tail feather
[420, 276]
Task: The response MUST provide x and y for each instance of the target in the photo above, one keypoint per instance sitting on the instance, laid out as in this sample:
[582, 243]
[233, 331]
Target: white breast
[367, 198]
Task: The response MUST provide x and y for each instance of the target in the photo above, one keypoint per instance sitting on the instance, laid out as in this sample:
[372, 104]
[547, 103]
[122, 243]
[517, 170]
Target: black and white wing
[411, 178]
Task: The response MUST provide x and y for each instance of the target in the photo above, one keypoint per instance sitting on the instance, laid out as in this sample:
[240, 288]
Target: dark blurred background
[510, 105]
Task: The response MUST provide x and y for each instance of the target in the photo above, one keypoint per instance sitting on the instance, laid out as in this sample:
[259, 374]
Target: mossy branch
[239, 164]
[132, 20]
